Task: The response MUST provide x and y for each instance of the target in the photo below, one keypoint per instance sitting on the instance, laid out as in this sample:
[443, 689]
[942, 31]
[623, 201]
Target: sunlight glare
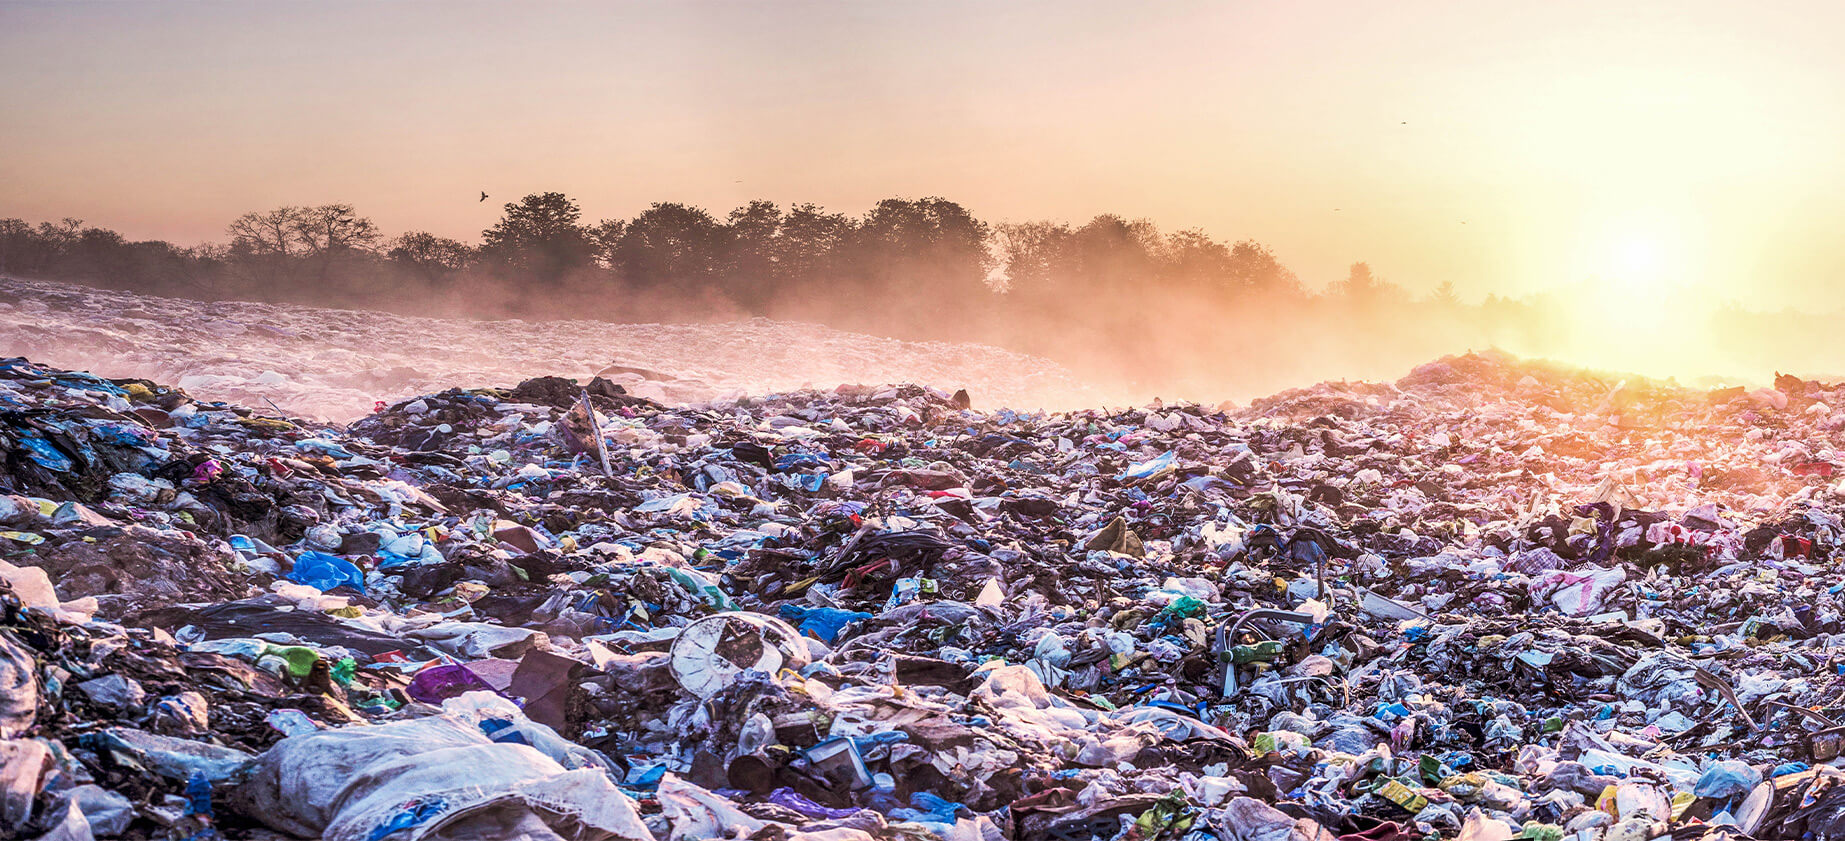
[1639, 259]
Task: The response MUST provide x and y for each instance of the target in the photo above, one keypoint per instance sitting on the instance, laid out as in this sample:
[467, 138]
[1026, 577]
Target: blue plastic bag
[325, 572]
[198, 795]
[824, 623]
[929, 808]
[802, 461]
[391, 560]
[1727, 780]
[47, 456]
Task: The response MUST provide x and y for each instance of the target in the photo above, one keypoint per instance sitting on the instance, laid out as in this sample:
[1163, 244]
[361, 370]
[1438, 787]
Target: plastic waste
[325, 572]
[709, 653]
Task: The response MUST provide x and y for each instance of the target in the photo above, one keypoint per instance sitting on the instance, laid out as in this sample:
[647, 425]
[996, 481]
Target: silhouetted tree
[333, 233]
[17, 245]
[604, 237]
[1195, 261]
[58, 238]
[1113, 255]
[434, 259]
[813, 243]
[1253, 267]
[753, 272]
[99, 255]
[1033, 255]
[540, 237]
[924, 252]
[275, 232]
[672, 243]
[262, 248]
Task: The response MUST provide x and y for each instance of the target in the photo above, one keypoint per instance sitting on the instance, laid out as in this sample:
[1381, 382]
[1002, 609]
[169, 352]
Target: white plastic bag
[429, 778]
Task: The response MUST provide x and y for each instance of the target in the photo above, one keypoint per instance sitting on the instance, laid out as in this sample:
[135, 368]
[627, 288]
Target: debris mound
[1494, 600]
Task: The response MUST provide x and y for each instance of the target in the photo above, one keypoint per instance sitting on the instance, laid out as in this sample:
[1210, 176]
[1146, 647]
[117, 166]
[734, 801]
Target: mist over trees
[758, 259]
[1115, 298]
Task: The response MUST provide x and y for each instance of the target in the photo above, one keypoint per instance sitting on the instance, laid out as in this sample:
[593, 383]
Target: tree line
[1110, 293]
[912, 251]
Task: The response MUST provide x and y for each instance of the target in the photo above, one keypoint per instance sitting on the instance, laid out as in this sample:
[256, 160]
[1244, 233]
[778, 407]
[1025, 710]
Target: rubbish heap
[1496, 599]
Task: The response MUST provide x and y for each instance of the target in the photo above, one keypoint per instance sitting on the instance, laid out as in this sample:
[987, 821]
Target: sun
[1638, 267]
[1639, 254]
[1639, 259]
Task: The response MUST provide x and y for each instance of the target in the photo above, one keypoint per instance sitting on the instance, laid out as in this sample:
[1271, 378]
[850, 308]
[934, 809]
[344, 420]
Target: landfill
[1496, 599]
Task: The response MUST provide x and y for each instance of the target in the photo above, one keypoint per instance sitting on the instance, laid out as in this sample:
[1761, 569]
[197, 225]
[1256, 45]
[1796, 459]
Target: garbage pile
[1494, 600]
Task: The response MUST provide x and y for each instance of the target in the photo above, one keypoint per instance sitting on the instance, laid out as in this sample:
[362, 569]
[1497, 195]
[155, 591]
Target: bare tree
[333, 228]
[330, 232]
[270, 233]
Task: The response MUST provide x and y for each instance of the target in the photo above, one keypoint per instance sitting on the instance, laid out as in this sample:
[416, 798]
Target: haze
[1678, 152]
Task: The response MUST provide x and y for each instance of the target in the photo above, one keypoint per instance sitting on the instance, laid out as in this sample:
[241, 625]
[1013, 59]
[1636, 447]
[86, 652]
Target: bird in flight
[483, 195]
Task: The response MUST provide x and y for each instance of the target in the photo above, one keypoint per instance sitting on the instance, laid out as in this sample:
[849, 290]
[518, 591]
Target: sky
[1678, 149]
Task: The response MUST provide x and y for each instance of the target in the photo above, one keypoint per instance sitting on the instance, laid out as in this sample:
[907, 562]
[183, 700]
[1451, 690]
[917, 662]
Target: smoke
[336, 364]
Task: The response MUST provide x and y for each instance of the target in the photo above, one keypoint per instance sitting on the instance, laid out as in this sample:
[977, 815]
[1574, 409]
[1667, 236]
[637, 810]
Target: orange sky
[1682, 147]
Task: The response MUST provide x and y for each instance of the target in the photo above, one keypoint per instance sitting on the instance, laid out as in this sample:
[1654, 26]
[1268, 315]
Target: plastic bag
[1728, 779]
[429, 778]
[826, 623]
[503, 722]
[325, 572]
[694, 813]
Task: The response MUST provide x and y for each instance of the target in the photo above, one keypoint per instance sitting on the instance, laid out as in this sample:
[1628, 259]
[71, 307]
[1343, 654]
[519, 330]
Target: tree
[274, 233]
[1031, 255]
[1253, 267]
[540, 236]
[1358, 281]
[99, 255]
[673, 243]
[753, 274]
[333, 232]
[1444, 295]
[1112, 255]
[59, 237]
[263, 245]
[813, 242]
[927, 249]
[334, 228]
[1192, 259]
[201, 271]
[1363, 288]
[20, 249]
[435, 259]
[604, 236]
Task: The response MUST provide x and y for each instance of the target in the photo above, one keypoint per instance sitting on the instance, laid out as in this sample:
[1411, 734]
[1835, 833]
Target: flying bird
[483, 195]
